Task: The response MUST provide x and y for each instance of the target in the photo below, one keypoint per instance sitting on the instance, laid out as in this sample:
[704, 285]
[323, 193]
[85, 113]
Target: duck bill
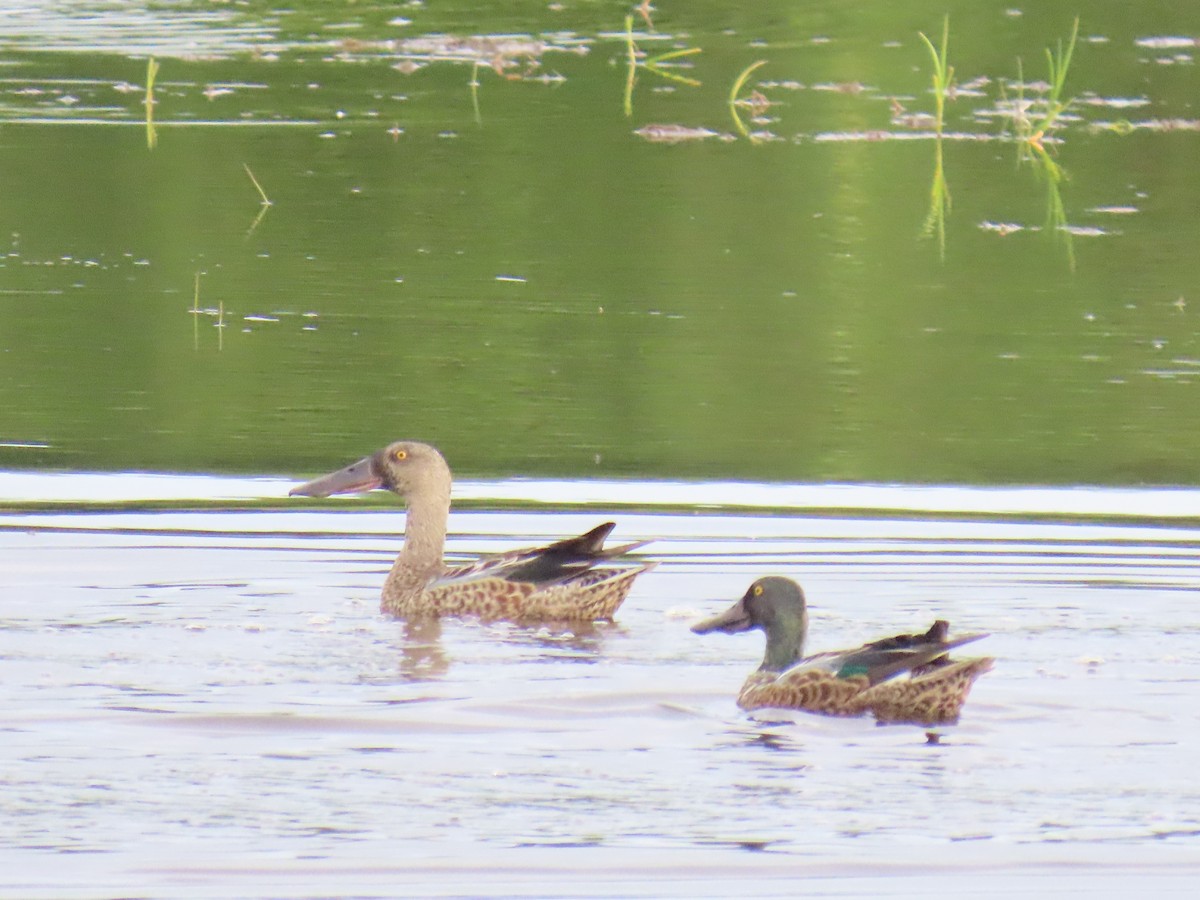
[350, 480]
[731, 621]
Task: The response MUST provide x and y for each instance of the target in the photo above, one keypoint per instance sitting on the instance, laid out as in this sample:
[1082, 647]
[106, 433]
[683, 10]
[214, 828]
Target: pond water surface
[204, 702]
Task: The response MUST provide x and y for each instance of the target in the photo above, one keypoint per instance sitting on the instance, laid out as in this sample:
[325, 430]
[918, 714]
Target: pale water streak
[96, 26]
[128, 487]
[202, 702]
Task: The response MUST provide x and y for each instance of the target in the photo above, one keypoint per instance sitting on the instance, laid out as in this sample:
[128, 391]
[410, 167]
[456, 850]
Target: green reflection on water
[511, 273]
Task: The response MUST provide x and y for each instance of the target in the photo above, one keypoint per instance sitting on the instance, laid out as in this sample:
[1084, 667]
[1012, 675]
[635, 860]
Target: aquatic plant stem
[738, 84]
[474, 84]
[939, 201]
[652, 64]
[196, 314]
[631, 75]
[151, 75]
[943, 72]
[1058, 63]
[939, 190]
[263, 206]
[266, 201]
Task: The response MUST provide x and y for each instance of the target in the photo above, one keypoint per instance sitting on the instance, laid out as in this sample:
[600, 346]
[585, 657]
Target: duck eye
[400, 455]
[758, 590]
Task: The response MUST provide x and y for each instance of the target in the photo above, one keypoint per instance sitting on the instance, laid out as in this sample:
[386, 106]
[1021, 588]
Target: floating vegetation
[1035, 116]
[1087, 230]
[1113, 102]
[1165, 42]
[902, 118]
[1160, 125]
[851, 137]
[678, 134]
[842, 87]
[1005, 228]
[498, 52]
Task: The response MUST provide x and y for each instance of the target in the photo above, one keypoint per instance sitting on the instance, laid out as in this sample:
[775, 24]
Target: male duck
[560, 582]
[847, 682]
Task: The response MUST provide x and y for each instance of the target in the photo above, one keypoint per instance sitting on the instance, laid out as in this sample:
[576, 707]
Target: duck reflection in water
[423, 658]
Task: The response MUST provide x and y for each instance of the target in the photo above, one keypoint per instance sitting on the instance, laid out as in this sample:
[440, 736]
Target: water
[796, 335]
[514, 272]
[204, 699]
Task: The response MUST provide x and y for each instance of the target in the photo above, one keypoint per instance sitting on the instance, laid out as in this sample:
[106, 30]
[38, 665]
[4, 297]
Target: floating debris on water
[885, 135]
[1002, 228]
[1114, 102]
[843, 87]
[1086, 230]
[674, 134]
[1165, 42]
[918, 121]
[1125, 126]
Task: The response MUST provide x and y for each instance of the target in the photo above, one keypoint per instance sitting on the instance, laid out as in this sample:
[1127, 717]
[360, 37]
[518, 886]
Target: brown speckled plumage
[905, 678]
[592, 596]
[813, 690]
[934, 698]
[571, 580]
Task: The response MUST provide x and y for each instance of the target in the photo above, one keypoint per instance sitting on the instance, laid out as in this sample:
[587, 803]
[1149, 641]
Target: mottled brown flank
[811, 690]
[591, 596]
[933, 698]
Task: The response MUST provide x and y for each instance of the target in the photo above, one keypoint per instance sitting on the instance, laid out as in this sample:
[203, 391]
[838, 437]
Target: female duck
[847, 682]
[564, 581]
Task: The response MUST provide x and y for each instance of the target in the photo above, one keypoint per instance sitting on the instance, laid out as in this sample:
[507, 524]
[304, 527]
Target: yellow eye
[400, 455]
[758, 590]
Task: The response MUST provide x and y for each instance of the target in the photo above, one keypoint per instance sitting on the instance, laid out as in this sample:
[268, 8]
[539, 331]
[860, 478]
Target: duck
[572, 580]
[854, 682]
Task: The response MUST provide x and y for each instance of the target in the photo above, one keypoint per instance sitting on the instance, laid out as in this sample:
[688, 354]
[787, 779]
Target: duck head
[774, 605]
[405, 468]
